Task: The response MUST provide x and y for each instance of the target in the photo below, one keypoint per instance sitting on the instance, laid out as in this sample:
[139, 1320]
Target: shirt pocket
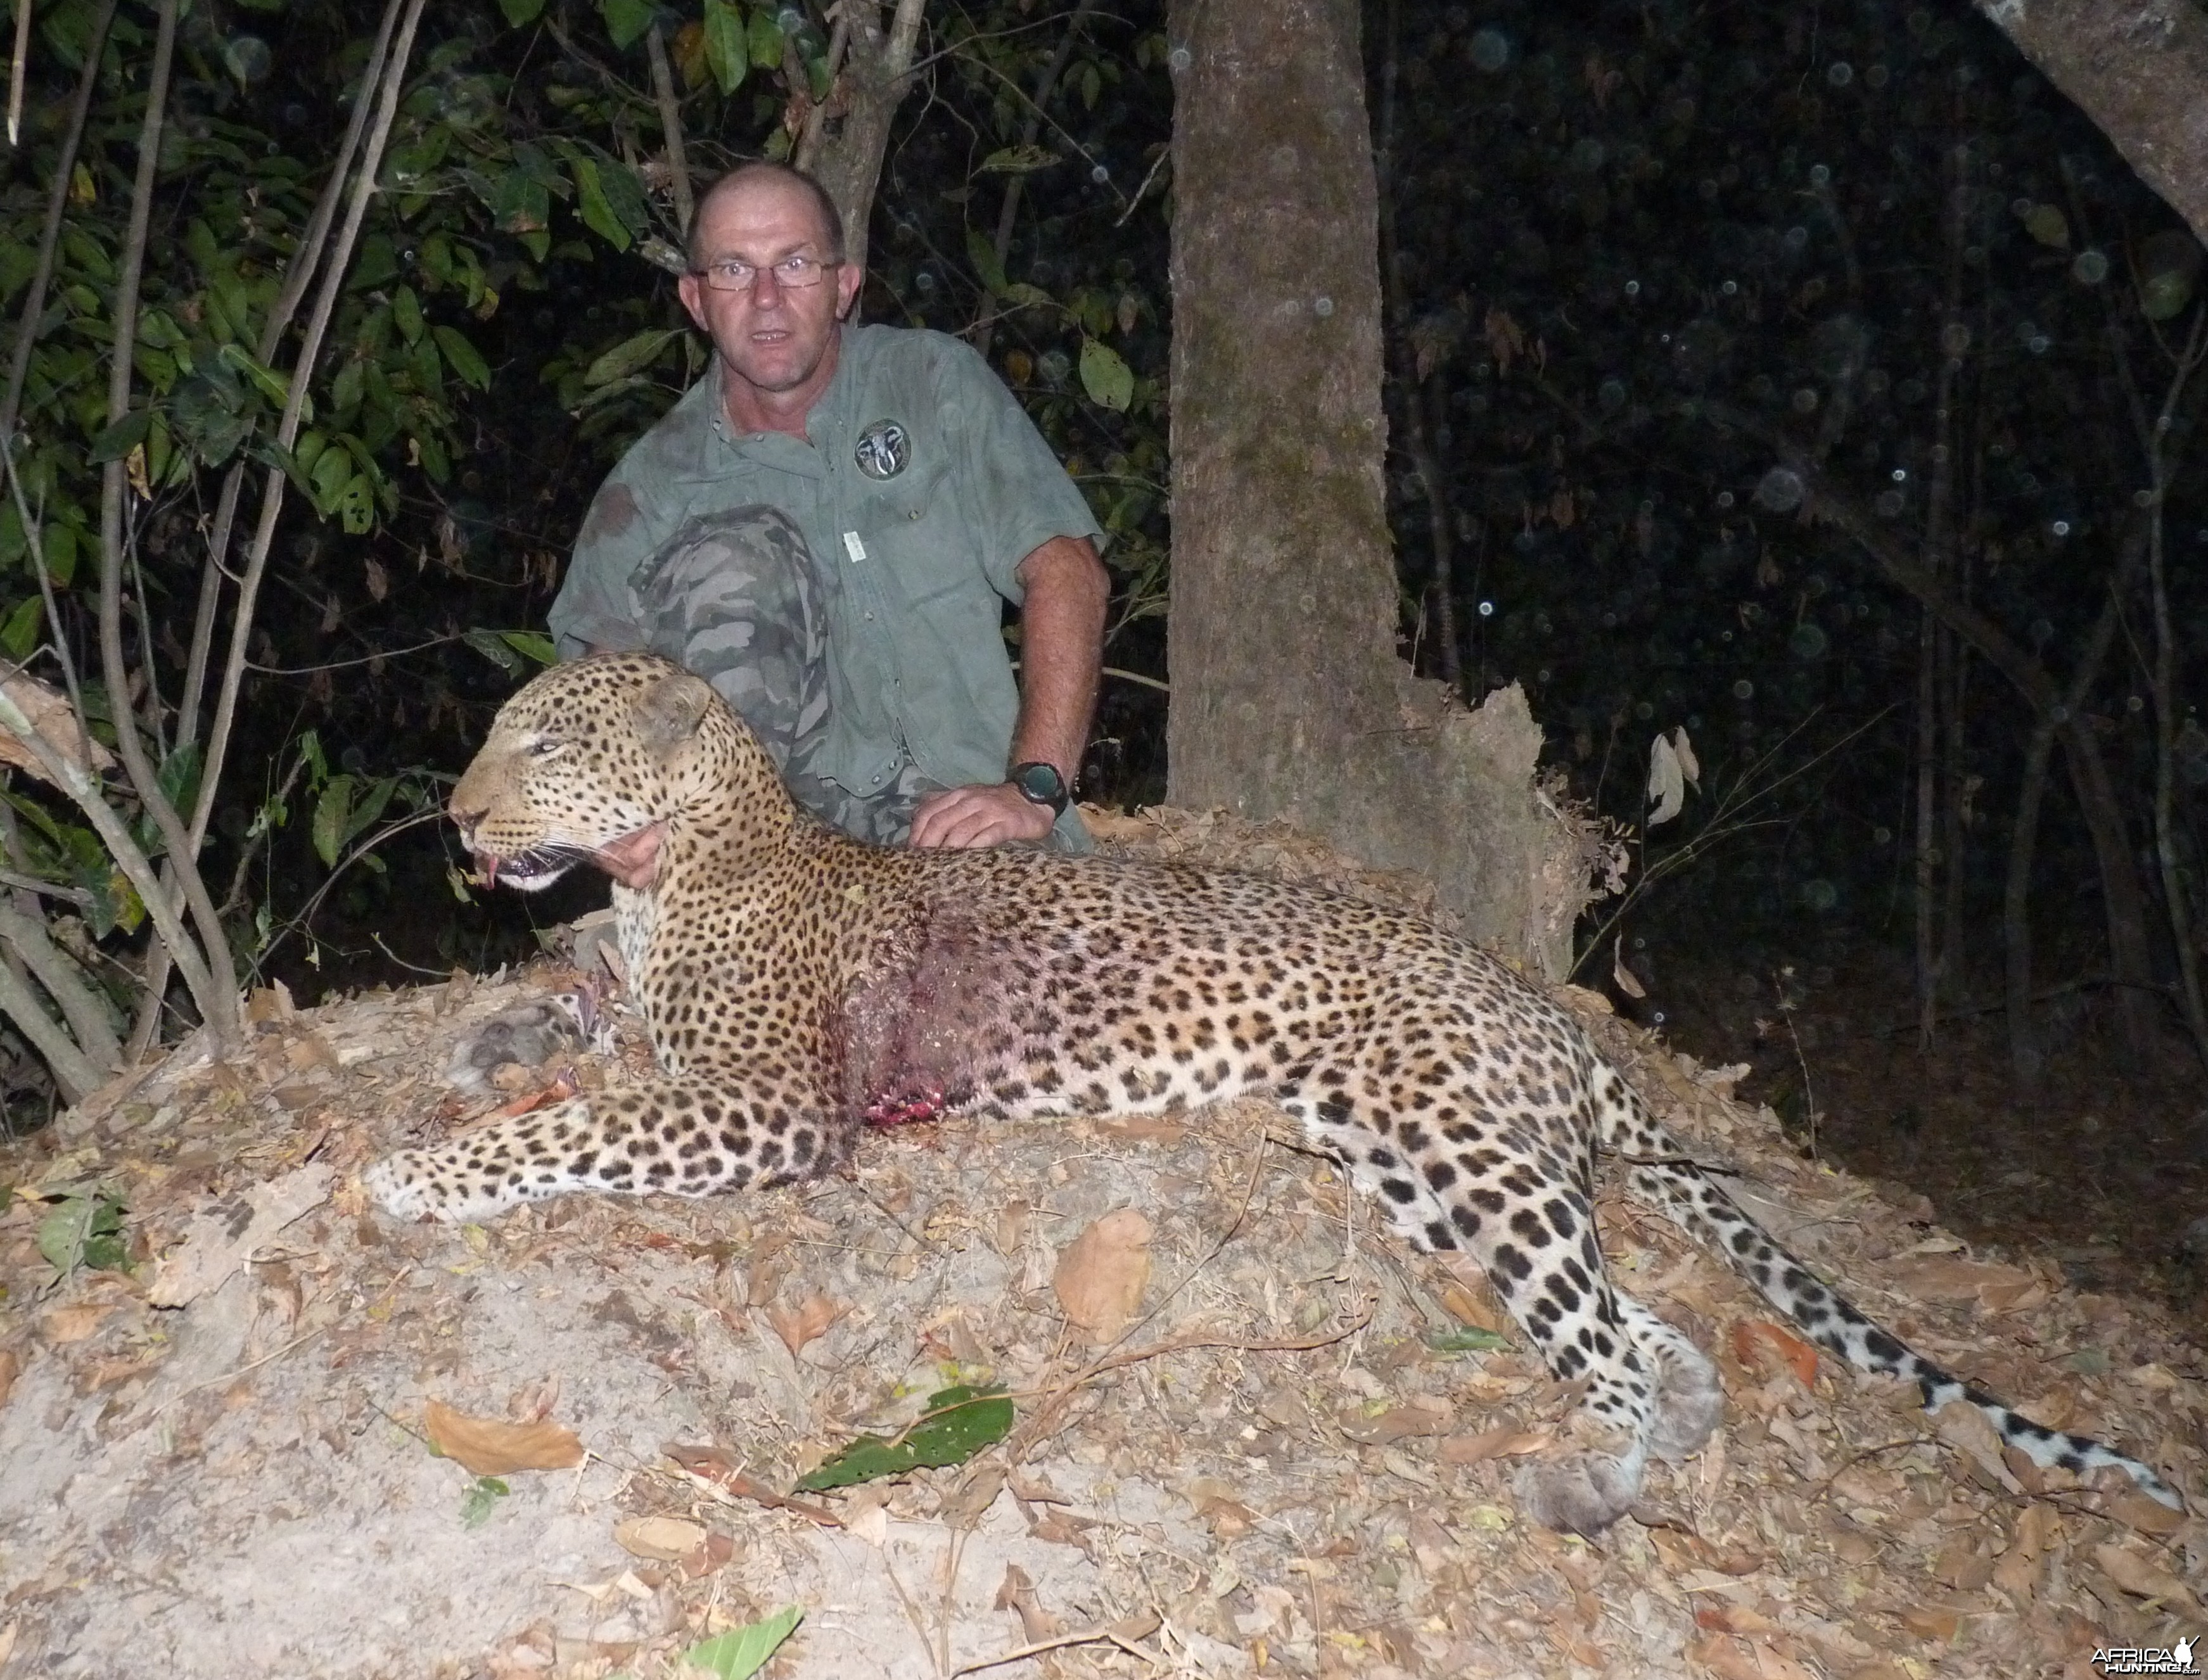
[911, 524]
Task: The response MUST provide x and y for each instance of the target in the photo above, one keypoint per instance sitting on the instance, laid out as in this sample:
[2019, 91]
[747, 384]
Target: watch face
[1041, 784]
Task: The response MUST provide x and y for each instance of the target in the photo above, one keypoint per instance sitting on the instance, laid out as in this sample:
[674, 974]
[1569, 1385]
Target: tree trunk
[1288, 699]
[2140, 72]
[874, 76]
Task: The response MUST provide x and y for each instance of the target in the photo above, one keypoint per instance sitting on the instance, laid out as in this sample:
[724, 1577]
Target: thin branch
[314, 241]
[218, 1001]
[34, 299]
[287, 431]
[84, 1012]
[72, 1069]
[670, 125]
[73, 779]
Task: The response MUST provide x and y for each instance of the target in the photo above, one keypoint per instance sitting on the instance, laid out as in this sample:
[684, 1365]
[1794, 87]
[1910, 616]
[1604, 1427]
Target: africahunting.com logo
[2147, 1659]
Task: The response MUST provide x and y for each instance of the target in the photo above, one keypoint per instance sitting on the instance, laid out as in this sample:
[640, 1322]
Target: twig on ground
[1122, 1633]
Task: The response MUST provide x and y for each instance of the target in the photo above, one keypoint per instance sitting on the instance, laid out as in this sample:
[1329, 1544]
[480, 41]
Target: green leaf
[332, 813]
[625, 20]
[492, 646]
[270, 384]
[728, 53]
[958, 1423]
[344, 389]
[179, 778]
[61, 549]
[1466, 1342]
[20, 635]
[741, 1652]
[428, 369]
[766, 39]
[531, 645]
[367, 809]
[1018, 160]
[521, 203]
[598, 214]
[1108, 379]
[481, 1500]
[357, 506]
[84, 1231]
[1021, 295]
[520, 12]
[330, 473]
[630, 355]
[406, 312]
[981, 252]
[116, 441]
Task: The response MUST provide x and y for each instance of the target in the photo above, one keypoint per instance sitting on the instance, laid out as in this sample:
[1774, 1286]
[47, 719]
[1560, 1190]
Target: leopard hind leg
[1520, 1210]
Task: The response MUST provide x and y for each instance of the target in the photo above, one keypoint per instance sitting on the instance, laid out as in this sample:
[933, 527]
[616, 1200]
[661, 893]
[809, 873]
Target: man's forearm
[1061, 653]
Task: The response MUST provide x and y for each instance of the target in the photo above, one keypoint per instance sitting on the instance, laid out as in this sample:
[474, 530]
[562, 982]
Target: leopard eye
[545, 747]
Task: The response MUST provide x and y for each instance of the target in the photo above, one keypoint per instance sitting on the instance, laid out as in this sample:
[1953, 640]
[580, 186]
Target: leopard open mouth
[529, 871]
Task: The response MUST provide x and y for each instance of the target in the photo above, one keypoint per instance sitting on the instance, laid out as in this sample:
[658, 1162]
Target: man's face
[771, 336]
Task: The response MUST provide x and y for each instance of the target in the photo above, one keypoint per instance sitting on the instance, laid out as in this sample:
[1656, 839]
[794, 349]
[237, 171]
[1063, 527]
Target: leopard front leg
[681, 1137]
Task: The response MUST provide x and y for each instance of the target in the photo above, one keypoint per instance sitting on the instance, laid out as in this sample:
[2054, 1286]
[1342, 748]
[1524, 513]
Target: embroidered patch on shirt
[884, 449]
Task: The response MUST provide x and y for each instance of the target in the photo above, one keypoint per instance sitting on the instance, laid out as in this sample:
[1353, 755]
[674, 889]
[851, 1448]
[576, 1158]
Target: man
[826, 527]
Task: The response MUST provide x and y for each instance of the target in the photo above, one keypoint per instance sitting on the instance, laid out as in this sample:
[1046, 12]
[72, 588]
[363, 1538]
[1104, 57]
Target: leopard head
[593, 762]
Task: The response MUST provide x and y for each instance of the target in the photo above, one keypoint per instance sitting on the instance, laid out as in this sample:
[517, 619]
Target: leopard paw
[1689, 1406]
[530, 1034]
[1580, 1492]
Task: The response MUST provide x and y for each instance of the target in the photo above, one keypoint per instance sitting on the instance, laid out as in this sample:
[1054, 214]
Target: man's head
[757, 227]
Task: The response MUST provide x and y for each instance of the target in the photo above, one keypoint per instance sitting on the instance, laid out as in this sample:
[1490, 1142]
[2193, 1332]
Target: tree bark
[1288, 699]
[875, 75]
[2140, 71]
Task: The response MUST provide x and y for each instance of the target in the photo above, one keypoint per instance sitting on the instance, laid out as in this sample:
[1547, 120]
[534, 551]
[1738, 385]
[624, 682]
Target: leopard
[801, 988]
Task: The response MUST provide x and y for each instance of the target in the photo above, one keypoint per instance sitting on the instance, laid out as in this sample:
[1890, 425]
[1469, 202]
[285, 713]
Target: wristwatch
[1040, 784]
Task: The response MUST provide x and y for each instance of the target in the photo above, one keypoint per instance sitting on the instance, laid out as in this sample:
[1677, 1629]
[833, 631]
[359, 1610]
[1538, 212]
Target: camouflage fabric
[734, 596]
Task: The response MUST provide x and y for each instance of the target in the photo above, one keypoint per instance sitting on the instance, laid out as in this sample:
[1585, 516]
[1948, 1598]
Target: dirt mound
[1279, 1464]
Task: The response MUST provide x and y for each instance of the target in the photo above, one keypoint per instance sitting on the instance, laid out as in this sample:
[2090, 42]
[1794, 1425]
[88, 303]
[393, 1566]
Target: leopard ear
[667, 712]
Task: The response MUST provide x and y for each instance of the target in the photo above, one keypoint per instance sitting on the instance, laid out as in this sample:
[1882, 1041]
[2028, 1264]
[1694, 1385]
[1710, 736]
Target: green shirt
[916, 567]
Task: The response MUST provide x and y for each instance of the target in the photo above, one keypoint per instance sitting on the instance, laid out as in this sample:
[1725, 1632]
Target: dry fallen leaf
[1933, 1622]
[1017, 1593]
[2127, 1504]
[1964, 1428]
[10, 1362]
[1767, 1350]
[48, 714]
[2145, 1579]
[74, 1324]
[805, 1322]
[668, 1539]
[1505, 1442]
[1101, 1275]
[491, 1447]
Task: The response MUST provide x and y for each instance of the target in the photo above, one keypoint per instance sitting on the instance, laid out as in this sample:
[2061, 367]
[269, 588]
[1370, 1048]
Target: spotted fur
[798, 985]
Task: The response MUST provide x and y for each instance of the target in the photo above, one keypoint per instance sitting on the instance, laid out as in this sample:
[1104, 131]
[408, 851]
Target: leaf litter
[1245, 1431]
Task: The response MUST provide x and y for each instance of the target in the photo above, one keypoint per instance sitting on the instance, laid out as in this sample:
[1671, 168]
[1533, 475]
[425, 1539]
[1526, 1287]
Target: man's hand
[988, 815]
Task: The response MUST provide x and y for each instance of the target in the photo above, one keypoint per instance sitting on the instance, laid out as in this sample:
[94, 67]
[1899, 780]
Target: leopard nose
[467, 819]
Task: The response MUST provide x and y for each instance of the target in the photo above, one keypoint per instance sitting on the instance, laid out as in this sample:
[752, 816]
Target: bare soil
[1271, 1470]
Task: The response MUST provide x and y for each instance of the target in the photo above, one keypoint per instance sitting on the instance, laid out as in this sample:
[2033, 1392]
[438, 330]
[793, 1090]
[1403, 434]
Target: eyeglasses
[796, 272]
